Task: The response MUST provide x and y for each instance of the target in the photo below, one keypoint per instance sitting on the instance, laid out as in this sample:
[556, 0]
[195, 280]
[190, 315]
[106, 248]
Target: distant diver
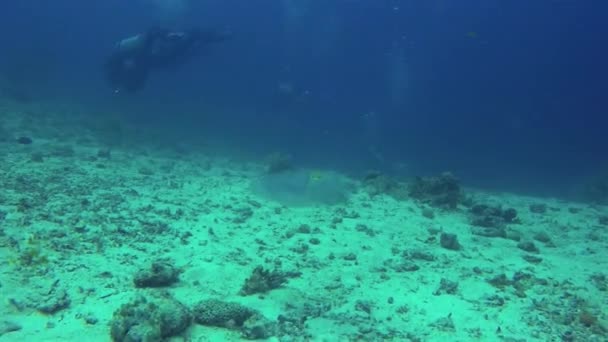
[128, 67]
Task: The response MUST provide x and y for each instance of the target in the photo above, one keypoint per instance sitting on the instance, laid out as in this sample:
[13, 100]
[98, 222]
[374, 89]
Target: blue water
[232, 195]
[508, 95]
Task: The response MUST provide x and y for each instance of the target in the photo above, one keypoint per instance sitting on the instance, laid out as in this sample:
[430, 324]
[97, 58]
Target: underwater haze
[504, 94]
[304, 170]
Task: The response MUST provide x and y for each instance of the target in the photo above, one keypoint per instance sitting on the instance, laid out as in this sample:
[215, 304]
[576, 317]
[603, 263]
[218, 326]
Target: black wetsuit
[130, 64]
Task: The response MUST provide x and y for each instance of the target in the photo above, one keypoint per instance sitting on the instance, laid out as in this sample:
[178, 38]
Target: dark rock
[147, 332]
[350, 257]
[254, 203]
[446, 286]
[445, 324]
[401, 265]
[24, 140]
[56, 301]
[90, 319]
[376, 183]
[544, 238]
[522, 282]
[483, 210]
[600, 281]
[8, 327]
[533, 259]
[364, 306]
[365, 229]
[449, 241]
[261, 280]
[487, 221]
[421, 255]
[161, 273]
[249, 322]
[150, 319]
[258, 327]
[500, 281]
[342, 213]
[441, 192]
[509, 215]
[304, 229]
[538, 208]
[242, 214]
[495, 301]
[489, 231]
[568, 336]
[482, 215]
[528, 246]
[217, 313]
[428, 213]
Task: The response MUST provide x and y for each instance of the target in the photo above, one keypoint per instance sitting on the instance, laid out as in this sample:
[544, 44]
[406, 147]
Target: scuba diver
[135, 57]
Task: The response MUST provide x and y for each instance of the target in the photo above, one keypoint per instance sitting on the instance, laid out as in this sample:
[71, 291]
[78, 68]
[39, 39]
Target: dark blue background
[506, 94]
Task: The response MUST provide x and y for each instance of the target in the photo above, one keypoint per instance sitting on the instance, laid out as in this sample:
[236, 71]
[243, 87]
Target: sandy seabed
[79, 222]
